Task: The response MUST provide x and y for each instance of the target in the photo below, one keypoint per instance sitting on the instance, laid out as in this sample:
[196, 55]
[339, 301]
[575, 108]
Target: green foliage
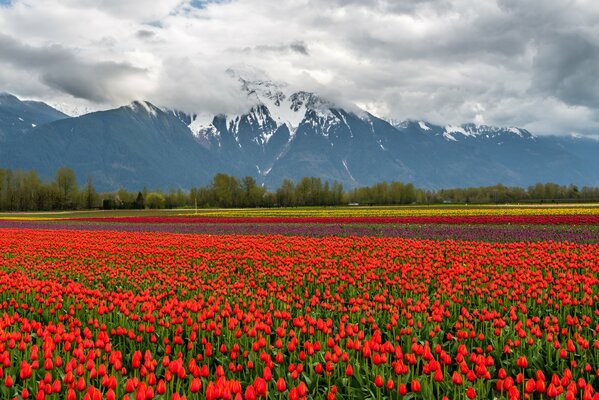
[155, 200]
[25, 191]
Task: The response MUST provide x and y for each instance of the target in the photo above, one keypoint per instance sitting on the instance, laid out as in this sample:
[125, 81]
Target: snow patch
[347, 169]
[74, 110]
[144, 105]
[201, 123]
[33, 125]
[449, 129]
[516, 131]
[399, 124]
[351, 133]
[424, 126]
[265, 172]
[449, 136]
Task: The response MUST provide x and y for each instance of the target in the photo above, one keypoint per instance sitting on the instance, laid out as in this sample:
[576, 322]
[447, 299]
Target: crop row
[422, 211]
[157, 315]
[583, 219]
[479, 232]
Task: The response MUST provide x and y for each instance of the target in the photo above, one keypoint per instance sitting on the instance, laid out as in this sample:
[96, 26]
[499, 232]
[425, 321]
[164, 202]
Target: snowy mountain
[274, 106]
[132, 146]
[285, 133]
[465, 131]
[74, 110]
[17, 117]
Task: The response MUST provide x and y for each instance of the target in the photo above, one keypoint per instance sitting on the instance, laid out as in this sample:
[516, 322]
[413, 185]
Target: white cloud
[504, 62]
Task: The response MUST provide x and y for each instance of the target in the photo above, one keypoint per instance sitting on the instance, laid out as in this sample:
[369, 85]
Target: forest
[25, 191]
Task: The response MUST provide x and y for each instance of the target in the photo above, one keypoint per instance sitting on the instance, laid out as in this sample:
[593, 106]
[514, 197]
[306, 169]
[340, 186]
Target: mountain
[17, 117]
[471, 155]
[133, 146]
[285, 133]
[291, 134]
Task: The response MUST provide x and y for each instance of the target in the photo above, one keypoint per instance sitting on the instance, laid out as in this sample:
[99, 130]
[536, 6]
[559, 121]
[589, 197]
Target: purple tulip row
[487, 233]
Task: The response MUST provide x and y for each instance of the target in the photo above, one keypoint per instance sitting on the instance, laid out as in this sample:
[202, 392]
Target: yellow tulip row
[400, 211]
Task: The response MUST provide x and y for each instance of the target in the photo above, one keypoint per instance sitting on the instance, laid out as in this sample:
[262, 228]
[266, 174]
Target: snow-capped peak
[75, 110]
[148, 107]
[201, 124]
[484, 131]
[450, 129]
[454, 133]
[284, 105]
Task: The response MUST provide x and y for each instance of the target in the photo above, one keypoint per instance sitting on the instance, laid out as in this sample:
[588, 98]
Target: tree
[337, 193]
[309, 191]
[90, 196]
[67, 186]
[124, 198]
[3, 174]
[139, 201]
[252, 193]
[226, 190]
[155, 200]
[30, 187]
[286, 193]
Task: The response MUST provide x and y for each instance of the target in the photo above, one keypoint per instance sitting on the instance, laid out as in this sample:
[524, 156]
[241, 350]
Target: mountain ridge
[285, 134]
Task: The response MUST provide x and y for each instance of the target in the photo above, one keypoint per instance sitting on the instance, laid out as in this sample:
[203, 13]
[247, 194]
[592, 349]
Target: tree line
[25, 191]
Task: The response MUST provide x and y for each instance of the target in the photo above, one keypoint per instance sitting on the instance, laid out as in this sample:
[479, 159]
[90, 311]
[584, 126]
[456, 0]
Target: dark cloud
[566, 68]
[297, 47]
[397, 6]
[145, 34]
[59, 68]
[506, 62]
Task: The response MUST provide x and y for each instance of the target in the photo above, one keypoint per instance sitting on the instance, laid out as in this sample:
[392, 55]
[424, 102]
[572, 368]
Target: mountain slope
[17, 117]
[132, 146]
[471, 155]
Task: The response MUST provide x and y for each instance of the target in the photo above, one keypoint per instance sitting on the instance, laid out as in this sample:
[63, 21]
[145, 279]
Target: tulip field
[493, 305]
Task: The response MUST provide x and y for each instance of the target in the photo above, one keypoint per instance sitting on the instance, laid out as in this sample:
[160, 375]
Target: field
[339, 303]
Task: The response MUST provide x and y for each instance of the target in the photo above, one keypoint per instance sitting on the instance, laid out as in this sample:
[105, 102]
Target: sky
[532, 64]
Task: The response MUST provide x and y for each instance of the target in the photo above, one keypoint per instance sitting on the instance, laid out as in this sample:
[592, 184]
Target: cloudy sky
[532, 63]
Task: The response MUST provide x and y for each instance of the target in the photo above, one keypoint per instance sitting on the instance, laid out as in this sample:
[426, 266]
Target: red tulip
[522, 362]
[438, 376]
[415, 386]
[470, 393]
[110, 395]
[552, 391]
[250, 393]
[281, 385]
[260, 386]
[456, 378]
[349, 371]
[161, 387]
[530, 386]
[195, 386]
[402, 389]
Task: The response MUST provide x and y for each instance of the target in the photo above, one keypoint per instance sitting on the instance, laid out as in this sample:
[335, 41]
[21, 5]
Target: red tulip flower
[281, 385]
[349, 371]
[415, 386]
[470, 393]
